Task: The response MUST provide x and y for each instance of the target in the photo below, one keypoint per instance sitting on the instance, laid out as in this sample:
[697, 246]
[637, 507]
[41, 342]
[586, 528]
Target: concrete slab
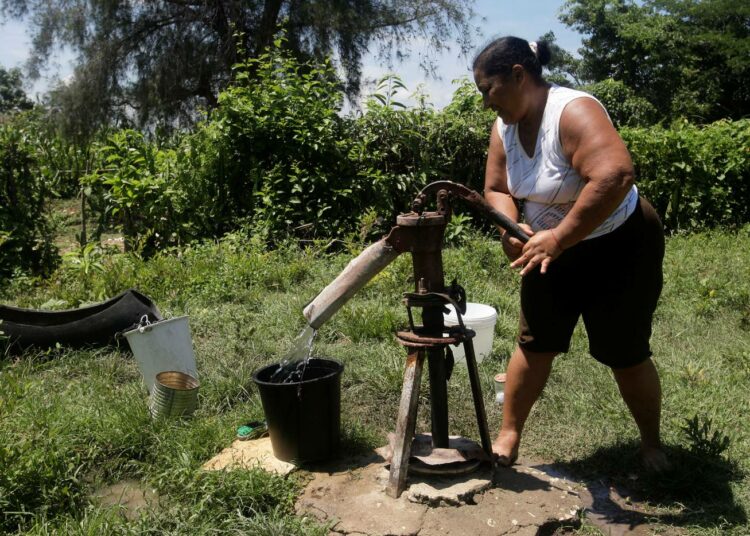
[451, 490]
[248, 455]
[518, 500]
[527, 499]
[356, 503]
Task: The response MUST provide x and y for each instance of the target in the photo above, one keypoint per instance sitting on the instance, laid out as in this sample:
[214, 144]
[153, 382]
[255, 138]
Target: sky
[527, 19]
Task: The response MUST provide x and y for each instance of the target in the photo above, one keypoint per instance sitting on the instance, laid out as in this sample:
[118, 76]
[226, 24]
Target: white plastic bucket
[480, 318]
[163, 346]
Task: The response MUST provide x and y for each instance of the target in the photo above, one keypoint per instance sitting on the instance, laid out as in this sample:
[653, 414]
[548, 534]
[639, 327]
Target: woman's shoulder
[559, 97]
[563, 95]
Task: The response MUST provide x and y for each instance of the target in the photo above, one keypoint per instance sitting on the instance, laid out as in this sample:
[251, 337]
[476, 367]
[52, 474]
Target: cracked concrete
[520, 500]
[448, 491]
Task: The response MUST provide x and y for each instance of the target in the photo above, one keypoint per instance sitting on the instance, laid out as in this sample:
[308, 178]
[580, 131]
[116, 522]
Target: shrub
[277, 157]
[696, 176]
[625, 108]
[401, 150]
[273, 153]
[135, 182]
[26, 229]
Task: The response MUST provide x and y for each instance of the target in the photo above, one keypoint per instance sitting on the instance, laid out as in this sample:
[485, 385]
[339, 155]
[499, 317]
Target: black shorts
[612, 281]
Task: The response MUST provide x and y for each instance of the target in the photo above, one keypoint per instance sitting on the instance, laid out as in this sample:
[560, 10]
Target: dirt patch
[530, 498]
[131, 496]
[519, 500]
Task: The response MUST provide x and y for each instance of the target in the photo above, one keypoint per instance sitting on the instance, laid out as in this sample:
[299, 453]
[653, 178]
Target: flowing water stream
[292, 367]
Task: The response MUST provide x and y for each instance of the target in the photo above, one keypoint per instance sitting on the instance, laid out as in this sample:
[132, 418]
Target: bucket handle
[144, 324]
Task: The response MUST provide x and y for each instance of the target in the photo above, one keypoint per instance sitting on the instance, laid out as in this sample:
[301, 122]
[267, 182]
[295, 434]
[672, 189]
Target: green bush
[277, 157]
[135, 180]
[625, 108]
[696, 176]
[26, 229]
[273, 153]
[401, 150]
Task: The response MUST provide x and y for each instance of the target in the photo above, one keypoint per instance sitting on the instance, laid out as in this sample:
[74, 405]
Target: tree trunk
[267, 26]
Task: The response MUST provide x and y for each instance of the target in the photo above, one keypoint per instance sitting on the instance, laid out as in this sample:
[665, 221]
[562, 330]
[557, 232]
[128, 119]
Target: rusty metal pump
[421, 233]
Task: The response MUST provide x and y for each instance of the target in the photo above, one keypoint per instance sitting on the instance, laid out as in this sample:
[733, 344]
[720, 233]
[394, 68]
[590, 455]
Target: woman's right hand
[513, 246]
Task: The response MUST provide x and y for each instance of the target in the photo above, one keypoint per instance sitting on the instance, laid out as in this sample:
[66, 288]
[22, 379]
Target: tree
[689, 58]
[161, 59]
[12, 96]
[563, 67]
[625, 108]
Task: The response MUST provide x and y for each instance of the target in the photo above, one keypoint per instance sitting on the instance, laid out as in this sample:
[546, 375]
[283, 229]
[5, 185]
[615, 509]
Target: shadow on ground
[697, 490]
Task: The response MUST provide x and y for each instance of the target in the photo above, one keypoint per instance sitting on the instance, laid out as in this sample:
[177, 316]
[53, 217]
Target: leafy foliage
[703, 442]
[688, 58]
[273, 153]
[696, 177]
[12, 96]
[134, 183]
[26, 228]
[625, 108]
[401, 150]
[278, 156]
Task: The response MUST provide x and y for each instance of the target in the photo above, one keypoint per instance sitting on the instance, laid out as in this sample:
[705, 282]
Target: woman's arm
[497, 194]
[599, 155]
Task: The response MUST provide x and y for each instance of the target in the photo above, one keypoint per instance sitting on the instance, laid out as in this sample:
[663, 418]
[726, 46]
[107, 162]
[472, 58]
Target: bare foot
[505, 448]
[654, 460]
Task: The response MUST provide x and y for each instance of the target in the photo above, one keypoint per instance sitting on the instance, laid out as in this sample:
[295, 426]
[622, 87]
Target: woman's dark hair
[500, 55]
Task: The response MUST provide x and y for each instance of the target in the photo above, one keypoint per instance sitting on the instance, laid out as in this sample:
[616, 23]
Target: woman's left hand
[541, 249]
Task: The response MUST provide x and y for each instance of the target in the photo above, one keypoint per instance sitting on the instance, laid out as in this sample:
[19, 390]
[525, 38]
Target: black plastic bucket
[303, 417]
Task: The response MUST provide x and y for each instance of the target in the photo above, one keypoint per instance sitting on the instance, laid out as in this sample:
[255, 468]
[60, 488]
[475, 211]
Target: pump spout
[418, 232]
[356, 274]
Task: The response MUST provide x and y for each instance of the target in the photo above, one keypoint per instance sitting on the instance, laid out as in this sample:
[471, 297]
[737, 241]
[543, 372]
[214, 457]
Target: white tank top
[547, 182]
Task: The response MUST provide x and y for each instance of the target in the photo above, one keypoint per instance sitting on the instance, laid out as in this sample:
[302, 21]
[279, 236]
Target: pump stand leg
[476, 393]
[438, 397]
[407, 420]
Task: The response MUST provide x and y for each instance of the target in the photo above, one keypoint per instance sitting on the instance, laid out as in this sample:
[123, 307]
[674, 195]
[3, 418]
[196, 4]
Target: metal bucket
[161, 346]
[175, 394]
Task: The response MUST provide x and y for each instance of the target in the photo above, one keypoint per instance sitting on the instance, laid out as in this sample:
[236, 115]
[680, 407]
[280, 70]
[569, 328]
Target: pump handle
[476, 201]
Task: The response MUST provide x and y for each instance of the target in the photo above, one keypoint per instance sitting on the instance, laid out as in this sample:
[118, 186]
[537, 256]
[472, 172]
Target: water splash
[292, 366]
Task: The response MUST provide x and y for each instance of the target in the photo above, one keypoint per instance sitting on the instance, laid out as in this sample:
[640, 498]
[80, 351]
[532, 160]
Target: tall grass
[73, 421]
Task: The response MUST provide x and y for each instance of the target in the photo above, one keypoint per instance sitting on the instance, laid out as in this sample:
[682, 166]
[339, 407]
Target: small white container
[480, 318]
[163, 346]
[500, 388]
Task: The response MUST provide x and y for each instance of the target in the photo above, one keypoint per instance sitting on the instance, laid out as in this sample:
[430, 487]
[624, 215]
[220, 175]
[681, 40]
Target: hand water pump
[421, 233]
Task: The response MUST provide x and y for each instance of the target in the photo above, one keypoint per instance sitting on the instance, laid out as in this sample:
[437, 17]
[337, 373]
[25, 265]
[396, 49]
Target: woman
[596, 247]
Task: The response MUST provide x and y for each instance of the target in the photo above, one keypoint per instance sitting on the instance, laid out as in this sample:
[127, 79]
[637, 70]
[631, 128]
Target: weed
[693, 374]
[705, 441]
[458, 229]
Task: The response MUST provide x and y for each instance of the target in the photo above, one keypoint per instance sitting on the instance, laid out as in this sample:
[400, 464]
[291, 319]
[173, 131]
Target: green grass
[71, 422]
